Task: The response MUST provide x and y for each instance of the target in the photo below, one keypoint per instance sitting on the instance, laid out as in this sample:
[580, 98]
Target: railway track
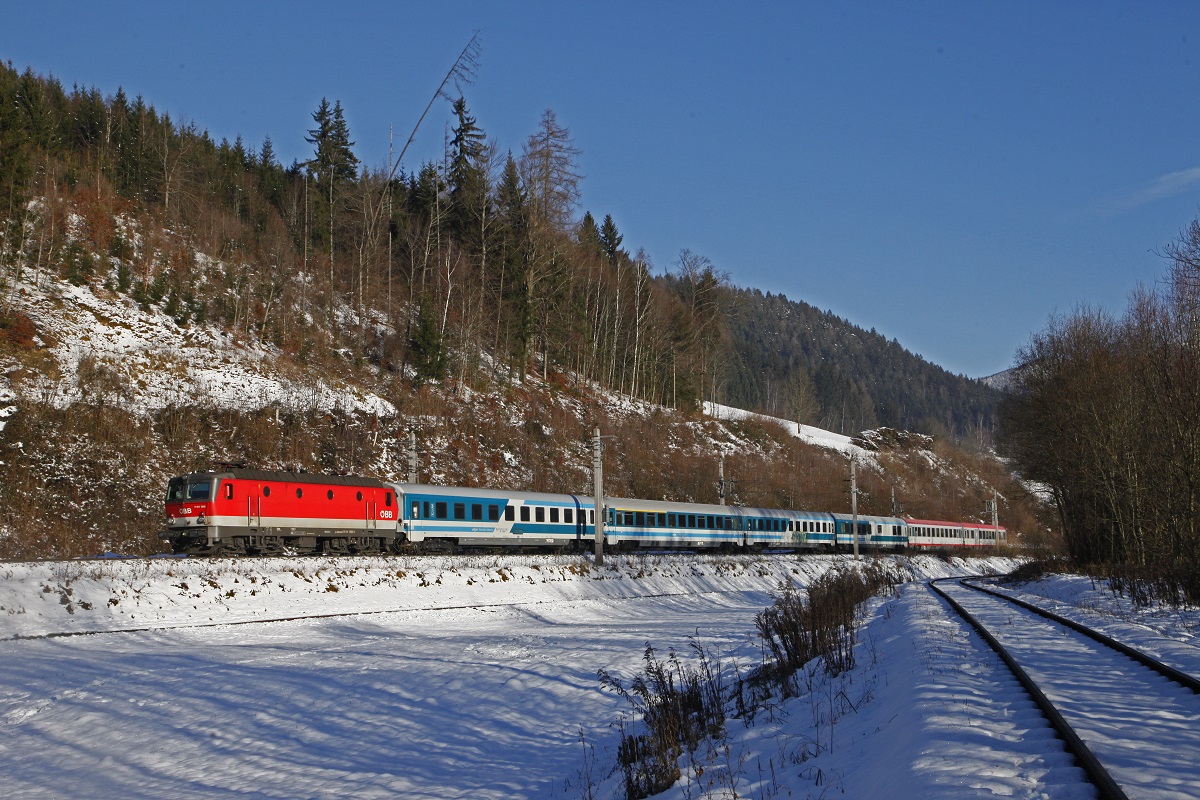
[1132, 723]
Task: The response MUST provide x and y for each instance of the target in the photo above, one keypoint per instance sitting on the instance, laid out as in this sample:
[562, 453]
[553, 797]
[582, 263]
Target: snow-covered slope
[157, 363]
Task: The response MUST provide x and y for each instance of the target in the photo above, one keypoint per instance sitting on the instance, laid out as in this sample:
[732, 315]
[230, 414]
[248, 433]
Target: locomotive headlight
[200, 518]
[171, 519]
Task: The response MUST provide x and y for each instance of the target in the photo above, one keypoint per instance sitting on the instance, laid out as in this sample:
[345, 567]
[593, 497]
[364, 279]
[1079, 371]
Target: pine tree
[425, 346]
[334, 166]
[511, 203]
[468, 181]
[610, 240]
[589, 235]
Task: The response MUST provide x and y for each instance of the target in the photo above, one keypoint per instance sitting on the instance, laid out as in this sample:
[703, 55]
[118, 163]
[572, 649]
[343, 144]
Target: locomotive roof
[300, 477]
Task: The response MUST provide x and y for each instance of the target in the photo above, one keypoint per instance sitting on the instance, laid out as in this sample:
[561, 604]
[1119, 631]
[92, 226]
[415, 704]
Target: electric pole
[598, 478]
[854, 505]
[412, 456]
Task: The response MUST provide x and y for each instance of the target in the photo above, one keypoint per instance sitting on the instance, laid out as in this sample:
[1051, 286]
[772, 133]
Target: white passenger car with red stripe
[931, 534]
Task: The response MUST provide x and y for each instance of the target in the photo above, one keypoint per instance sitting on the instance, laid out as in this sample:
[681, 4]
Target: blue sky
[950, 174]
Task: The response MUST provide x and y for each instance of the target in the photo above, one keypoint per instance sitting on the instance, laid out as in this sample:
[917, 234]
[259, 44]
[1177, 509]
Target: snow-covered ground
[440, 677]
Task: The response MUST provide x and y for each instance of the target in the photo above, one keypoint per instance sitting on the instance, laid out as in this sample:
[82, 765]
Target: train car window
[229, 491]
[510, 513]
[477, 511]
[592, 516]
[710, 522]
[493, 513]
[416, 512]
[670, 520]
[524, 513]
[329, 494]
[439, 510]
[387, 499]
[568, 515]
[299, 493]
[539, 514]
[639, 519]
[691, 519]
[554, 515]
[428, 515]
[460, 510]
[266, 491]
[358, 495]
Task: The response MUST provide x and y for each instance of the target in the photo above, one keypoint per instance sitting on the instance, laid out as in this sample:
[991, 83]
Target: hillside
[106, 400]
[791, 359]
[167, 302]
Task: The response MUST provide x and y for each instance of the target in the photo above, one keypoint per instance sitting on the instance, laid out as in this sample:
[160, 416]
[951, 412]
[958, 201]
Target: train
[259, 512]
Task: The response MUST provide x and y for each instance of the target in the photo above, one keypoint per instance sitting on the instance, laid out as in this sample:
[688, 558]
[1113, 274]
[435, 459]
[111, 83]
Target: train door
[254, 499]
[580, 521]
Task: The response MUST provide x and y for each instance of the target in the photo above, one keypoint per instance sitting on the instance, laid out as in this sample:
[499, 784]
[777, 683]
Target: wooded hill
[430, 273]
[796, 361]
[468, 275]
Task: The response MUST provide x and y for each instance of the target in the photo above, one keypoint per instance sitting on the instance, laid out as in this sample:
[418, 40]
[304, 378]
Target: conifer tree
[589, 235]
[468, 178]
[610, 240]
[334, 165]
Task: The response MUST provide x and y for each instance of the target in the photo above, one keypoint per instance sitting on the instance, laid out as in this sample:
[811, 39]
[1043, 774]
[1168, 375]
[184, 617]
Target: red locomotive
[241, 511]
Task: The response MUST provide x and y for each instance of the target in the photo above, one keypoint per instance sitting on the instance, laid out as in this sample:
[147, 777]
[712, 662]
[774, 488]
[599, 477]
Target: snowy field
[476, 678]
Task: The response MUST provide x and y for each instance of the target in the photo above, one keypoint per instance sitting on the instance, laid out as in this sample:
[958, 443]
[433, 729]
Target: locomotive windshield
[180, 489]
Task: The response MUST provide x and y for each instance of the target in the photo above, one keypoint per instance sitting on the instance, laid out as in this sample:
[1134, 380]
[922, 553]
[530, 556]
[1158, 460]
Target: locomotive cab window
[266, 491]
[387, 499]
[198, 491]
[329, 494]
[299, 493]
[358, 496]
[229, 491]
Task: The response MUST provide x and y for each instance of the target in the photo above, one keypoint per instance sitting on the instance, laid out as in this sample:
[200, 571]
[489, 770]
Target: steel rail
[1106, 786]
[1143, 658]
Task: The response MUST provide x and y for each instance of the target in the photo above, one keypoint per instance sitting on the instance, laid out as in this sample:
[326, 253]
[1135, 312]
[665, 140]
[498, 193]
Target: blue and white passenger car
[486, 517]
